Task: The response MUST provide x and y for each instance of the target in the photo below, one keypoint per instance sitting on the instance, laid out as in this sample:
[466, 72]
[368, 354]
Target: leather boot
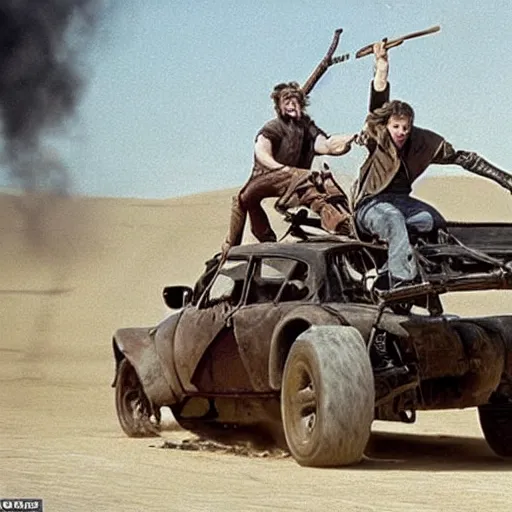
[384, 366]
[476, 164]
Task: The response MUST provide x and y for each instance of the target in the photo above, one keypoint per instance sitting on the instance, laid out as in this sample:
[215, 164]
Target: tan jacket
[422, 149]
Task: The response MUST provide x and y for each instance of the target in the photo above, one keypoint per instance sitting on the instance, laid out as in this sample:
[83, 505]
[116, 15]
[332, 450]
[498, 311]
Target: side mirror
[176, 297]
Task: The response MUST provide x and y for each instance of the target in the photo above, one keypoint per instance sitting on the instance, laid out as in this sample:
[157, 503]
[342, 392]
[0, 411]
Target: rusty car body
[277, 335]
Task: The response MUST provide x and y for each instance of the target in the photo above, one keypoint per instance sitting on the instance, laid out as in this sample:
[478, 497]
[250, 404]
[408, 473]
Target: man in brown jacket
[399, 153]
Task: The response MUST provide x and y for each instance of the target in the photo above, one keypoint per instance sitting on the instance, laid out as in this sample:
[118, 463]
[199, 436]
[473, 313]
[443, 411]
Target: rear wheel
[133, 407]
[496, 423]
[327, 397]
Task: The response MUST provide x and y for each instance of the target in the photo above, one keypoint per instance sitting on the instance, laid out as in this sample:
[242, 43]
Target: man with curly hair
[283, 154]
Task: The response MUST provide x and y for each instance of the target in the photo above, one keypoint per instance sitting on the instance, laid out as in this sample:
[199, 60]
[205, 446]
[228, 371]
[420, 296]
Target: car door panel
[220, 369]
[196, 330]
[254, 326]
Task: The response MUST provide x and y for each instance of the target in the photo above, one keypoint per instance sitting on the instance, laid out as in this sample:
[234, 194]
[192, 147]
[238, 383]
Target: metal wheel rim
[302, 401]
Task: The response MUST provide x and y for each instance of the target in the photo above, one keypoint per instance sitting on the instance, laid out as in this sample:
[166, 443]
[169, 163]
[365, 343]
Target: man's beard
[291, 119]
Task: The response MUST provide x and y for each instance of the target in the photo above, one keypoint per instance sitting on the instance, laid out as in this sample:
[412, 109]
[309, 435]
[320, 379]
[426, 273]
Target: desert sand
[76, 269]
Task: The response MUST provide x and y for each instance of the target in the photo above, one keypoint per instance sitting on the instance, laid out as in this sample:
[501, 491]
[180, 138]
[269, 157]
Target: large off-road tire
[496, 423]
[133, 408]
[327, 397]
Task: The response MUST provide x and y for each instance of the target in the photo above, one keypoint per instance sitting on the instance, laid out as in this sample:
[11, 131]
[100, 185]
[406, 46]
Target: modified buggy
[282, 337]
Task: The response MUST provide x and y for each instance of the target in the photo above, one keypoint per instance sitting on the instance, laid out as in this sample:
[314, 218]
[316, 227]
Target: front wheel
[328, 397]
[133, 407]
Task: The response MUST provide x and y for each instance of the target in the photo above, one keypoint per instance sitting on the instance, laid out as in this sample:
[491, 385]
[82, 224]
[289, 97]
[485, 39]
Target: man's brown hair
[377, 120]
[286, 90]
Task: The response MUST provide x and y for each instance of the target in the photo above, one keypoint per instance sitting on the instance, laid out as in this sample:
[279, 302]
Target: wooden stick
[367, 50]
[325, 63]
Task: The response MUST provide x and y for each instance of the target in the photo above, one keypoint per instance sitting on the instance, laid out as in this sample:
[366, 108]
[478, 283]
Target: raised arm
[379, 90]
[380, 80]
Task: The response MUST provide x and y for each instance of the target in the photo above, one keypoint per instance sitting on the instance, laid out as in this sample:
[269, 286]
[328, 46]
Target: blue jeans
[397, 218]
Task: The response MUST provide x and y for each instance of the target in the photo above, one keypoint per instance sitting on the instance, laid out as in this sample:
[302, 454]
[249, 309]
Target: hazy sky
[178, 89]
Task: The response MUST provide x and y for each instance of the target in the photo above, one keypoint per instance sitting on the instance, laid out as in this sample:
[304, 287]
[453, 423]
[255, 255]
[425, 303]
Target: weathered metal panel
[296, 321]
[438, 347]
[501, 325]
[254, 326]
[138, 346]
[195, 331]
[164, 343]
[221, 370]
[364, 316]
[480, 370]
[490, 237]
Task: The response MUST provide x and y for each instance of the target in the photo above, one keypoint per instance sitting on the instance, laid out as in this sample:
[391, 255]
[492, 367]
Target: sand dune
[76, 269]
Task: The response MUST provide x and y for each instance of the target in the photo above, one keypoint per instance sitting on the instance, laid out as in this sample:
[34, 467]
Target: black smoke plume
[41, 44]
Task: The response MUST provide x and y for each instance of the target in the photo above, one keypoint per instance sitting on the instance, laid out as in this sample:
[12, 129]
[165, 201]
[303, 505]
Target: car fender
[287, 331]
[502, 326]
[364, 316]
[485, 351]
[165, 348]
[137, 345]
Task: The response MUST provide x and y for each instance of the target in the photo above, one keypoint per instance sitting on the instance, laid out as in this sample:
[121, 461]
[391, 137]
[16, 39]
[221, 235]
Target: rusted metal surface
[237, 348]
[291, 325]
[254, 326]
[500, 327]
[137, 345]
[438, 346]
[485, 351]
[494, 238]
[195, 331]
[164, 345]
[473, 377]
[220, 370]
[364, 316]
